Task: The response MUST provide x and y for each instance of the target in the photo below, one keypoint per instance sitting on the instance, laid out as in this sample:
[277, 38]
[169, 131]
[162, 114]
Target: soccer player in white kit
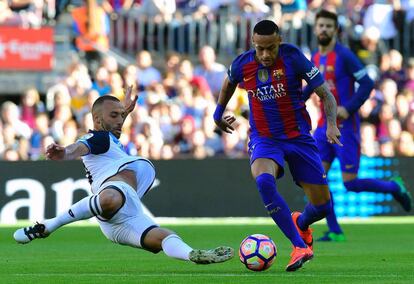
[118, 182]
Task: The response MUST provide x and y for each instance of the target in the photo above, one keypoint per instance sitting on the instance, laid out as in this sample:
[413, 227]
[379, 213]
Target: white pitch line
[245, 221]
[287, 275]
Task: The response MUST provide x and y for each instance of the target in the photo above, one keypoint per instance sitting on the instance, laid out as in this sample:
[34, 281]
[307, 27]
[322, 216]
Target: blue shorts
[348, 154]
[300, 153]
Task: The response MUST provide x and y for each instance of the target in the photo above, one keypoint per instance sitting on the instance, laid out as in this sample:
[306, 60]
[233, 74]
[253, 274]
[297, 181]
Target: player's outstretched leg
[83, 209]
[173, 246]
[402, 196]
[219, 254]
[395, 186]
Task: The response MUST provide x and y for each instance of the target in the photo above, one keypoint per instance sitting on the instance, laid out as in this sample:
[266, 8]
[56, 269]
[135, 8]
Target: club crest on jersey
[278, 73]
[263, 75]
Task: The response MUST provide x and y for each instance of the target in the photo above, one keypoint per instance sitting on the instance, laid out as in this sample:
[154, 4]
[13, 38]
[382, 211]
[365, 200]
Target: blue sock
[331, 220]
[313, 213]
[277, 208]
[372, 185]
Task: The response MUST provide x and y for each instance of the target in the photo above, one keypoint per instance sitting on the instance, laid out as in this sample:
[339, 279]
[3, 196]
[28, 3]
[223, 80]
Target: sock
[277, 208]
[332, 221]
[173, 246]
[313, 213]
[372, 185]
[83, 209]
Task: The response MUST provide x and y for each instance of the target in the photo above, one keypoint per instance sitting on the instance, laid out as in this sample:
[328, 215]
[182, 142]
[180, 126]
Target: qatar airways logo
[268, 92]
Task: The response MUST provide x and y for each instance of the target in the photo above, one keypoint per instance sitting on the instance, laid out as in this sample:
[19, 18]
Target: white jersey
[106, 157]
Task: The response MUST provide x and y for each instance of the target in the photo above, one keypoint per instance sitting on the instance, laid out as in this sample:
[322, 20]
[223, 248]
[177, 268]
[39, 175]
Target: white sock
[81, 210]
[173, 246]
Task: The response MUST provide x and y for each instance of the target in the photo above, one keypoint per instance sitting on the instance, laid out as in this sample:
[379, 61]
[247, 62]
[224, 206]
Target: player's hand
[333, 134]
[342, 113]
[225, 123]
[131, 97]
[55, 152]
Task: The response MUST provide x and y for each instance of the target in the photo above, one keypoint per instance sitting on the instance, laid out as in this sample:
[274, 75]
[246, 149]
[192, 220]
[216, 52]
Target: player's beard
[324, 41]
[109, 128]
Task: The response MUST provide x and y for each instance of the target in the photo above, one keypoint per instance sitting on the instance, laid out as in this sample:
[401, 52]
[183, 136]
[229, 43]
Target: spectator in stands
[40, 130]
[117, 86]
[395, 71]
[171, 73]
[22, 13]
[254, 9]
[406, 144]
[211, 70]
[369, 144]
[158, 10]
[11, 117]
[91, 29]
[410, 75]
[110, 63]
[10, 18]
[198, 149]
[101, 83]
[370, 48]
[146, 73]
[186, 73]
[379, 15]
[31, 106]
[116, 6]
[130, 75]
[183, 138]
[402, 107]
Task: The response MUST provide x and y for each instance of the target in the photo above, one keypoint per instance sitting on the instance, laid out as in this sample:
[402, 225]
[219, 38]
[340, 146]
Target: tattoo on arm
[329, 102]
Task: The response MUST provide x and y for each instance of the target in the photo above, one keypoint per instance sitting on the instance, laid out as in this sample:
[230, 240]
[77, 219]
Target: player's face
[112, 117]
[325, 30]
[267, 48]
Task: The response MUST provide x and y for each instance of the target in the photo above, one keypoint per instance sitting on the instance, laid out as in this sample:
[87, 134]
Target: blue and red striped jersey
[340, 69]
[277, 108]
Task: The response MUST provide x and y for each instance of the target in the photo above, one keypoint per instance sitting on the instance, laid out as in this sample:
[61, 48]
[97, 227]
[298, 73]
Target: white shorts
[129, 225]
[145, 174]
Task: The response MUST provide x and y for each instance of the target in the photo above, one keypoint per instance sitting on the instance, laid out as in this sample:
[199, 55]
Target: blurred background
[58, 56]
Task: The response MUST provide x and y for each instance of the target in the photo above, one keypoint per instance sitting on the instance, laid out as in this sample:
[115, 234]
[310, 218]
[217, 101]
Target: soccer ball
[257, 252]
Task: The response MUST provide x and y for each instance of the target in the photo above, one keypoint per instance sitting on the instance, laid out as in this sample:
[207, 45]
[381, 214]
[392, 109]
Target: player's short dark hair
[99, 101]
[327, 14]
[266, 27]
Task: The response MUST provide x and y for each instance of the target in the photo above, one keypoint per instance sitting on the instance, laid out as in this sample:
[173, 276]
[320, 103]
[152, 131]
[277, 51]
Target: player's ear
[279, 38]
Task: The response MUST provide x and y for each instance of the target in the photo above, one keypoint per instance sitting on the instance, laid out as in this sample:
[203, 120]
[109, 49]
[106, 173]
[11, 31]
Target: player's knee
[352, 186]
[265, 181]
[153, 240]
[110, 200]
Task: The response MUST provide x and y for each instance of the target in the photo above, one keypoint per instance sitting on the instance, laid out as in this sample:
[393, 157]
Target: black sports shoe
[26, 235]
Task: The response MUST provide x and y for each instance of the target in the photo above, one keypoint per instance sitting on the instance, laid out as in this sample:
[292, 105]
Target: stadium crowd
[174, 116]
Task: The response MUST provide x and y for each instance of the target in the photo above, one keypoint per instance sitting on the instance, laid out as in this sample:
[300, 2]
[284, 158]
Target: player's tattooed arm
[70, 152]
[329, 103]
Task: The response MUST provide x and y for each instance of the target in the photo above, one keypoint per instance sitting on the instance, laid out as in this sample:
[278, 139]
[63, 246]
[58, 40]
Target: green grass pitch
[373, 253]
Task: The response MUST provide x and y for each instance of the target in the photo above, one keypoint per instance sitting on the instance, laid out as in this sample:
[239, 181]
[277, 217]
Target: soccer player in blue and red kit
[341, 69]
[272, 74]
